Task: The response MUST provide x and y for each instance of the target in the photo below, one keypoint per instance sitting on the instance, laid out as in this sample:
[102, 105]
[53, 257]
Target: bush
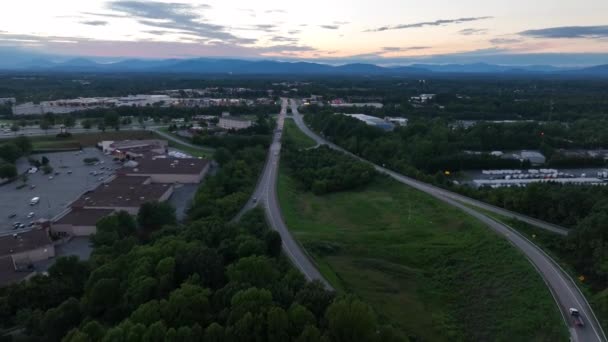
[90, 161]
[46, 168]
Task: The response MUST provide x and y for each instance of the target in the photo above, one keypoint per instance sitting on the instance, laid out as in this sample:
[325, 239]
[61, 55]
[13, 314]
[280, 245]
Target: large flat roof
[185, 166]
[24, 241]
[84, 217]
[123, 191]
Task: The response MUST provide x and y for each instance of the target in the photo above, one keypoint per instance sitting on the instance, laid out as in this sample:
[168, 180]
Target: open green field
[427, 268]
[295, 135]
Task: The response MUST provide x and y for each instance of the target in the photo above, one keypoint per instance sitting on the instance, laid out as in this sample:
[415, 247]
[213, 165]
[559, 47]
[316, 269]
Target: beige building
[232, 122]
[27, 247]
[79, 221]
[169, 170]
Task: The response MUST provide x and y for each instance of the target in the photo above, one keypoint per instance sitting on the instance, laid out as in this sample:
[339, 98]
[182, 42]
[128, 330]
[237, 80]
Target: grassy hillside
[428, 268]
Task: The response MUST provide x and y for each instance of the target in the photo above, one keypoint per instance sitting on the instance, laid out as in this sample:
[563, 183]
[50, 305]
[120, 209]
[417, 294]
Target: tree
[278, 325]
[274, 243]
[101, 126]
[57, 322]
[44, 160]
[256, 271]
[45, 125]
[15, 128]
[111, 119]
[10, 152]
[86, 124]
[154, 215]
[69, 121]
[214, 333]
[24, 144]
[8, 171]
[47, 169]
[349, 319]
[222, 155]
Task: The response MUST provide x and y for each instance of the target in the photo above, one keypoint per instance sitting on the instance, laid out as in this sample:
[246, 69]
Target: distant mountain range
[270, 67]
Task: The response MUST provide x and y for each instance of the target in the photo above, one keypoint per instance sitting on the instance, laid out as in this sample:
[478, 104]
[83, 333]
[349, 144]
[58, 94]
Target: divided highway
[562, 286]
[266, 194]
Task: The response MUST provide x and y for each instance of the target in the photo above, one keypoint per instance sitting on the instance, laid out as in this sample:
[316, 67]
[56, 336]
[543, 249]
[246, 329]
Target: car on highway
[576, 317]
[34, 200]
[31, 214]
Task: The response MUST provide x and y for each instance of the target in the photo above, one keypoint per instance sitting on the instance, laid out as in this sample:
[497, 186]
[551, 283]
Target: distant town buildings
[73, 105]
[357, 105]
[422, 98]
[373, 121]
[235, 123]
[7, 100]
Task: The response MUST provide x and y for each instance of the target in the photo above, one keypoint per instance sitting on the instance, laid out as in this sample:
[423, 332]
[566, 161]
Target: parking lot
[56, 191]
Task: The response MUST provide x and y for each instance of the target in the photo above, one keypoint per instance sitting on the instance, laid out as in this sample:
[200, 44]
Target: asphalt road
[35, 131]
[562, 286]
[266, 194]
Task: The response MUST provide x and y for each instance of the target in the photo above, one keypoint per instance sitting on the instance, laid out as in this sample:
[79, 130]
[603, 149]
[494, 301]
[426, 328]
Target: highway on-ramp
[562, 286]
[266, 194]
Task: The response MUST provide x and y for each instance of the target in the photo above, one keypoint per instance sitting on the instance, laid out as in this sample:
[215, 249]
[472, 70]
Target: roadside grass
[87, 139]
[553, 245]
[429, 269]
[202, 152]
[296, 136]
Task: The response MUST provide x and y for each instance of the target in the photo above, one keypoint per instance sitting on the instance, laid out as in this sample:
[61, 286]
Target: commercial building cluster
[147, 173]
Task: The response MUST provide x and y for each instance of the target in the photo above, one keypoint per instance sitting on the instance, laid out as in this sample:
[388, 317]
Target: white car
[34, 200]
[30, 215]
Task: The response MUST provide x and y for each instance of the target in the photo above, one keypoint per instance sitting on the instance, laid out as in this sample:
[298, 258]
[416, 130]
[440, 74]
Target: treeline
[427, 145]
[323, 170]
[226, 192]
[10, 151]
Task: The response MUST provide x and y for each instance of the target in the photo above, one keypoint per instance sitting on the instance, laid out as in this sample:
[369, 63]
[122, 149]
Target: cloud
[294, 31]
[341, 23]
[402, 49]
[441, 22]
[94, 22]
[276, 11]
[472, 31]
[282, 39]
[330, 27]
[569, 32]
[176, 16]
[504, 41]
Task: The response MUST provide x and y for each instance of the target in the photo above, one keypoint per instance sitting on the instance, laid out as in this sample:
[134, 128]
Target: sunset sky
[378, 30]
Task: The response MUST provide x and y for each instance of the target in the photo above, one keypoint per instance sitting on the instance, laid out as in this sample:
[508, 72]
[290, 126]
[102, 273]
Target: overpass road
[563, 288]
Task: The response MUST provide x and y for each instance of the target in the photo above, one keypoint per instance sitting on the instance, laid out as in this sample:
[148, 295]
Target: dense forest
[150, 279]
[323, 170]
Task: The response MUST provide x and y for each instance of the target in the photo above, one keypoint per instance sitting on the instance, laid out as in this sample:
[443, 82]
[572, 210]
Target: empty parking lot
[55, 194]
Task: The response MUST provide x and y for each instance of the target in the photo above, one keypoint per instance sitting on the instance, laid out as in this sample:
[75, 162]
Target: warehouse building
[373, 121]
[233, 122]
[124, 193]
[79, 221]
[169, 170]
[27, 247]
